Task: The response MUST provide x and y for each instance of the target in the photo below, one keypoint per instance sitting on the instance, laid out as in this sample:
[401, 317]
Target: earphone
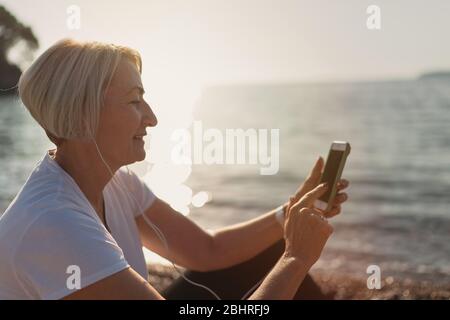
[159, 232]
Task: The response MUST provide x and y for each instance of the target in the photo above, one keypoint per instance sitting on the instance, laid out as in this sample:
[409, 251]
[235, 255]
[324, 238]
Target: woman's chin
[141, 157]
[136, 152]
[139, 154]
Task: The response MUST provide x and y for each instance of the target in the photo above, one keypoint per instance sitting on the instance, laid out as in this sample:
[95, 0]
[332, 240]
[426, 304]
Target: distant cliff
[438, 75]
[12, 33]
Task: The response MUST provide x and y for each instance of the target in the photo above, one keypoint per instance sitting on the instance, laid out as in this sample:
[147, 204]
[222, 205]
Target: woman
[80, 216]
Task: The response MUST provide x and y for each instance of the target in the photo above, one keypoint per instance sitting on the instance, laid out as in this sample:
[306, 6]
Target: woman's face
[124, 118]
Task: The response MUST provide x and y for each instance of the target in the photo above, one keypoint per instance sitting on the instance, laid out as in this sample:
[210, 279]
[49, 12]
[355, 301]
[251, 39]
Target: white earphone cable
[153, 226]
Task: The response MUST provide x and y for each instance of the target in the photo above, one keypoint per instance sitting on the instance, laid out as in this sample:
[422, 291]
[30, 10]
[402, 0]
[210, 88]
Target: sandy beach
[338, 286]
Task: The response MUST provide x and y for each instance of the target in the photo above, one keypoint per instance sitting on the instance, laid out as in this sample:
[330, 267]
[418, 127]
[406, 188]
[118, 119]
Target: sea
[397, 216]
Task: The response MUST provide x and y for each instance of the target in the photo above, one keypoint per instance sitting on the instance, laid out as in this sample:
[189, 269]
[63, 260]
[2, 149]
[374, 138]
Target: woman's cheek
[132, 119]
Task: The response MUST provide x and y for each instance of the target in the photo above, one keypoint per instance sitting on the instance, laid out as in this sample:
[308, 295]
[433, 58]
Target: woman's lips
[139, 137]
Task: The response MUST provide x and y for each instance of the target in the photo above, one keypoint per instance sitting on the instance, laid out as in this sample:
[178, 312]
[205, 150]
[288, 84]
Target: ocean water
[398, 212]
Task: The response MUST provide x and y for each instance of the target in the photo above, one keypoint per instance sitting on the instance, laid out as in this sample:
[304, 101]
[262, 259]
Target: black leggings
[235, 281]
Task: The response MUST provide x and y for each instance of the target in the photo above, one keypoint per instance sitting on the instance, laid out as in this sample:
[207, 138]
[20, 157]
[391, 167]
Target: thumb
[308, 199]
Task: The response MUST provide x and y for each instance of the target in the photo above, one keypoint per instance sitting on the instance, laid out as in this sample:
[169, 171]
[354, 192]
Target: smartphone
[334, 166]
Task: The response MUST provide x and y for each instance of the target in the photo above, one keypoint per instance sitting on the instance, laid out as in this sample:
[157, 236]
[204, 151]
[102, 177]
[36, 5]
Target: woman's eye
[135, 102]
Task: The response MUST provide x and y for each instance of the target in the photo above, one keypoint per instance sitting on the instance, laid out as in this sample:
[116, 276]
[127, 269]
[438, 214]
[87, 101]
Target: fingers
[316, 172]
[334, 211]
[289, 206]
[318, 218]
[308, 199]
[312, 180]
[319, 213]
[340, 198]
[336, 208]
[313, 212]
[342, 184]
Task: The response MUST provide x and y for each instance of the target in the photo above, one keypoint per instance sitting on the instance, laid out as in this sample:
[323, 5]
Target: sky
[235, 41]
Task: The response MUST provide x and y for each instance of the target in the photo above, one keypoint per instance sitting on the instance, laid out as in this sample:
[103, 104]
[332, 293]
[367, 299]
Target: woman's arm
[243, 241]
[192, 247]
[283, 280]
[281, 283]
[189, 245]
[306, 231]
[124, 285]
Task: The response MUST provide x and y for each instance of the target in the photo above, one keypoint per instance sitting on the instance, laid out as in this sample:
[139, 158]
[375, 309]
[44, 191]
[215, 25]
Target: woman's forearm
[243, 241]
[283, 280]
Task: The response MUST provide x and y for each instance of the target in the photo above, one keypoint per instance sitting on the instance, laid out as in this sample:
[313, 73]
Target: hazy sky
[223, 41]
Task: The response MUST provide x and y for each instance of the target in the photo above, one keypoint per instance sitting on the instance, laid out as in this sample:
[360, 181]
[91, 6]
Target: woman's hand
[313, 180]
[306, 229]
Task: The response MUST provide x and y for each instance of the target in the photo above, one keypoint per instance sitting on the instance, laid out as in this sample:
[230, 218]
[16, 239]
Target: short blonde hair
[64, 87]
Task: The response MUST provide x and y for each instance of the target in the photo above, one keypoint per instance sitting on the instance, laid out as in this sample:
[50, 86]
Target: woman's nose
[149, 117]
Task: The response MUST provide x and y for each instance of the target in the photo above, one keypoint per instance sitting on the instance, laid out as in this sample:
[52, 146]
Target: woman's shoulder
[42, 192]
[46, 201]
[57, 239]
[28, 236]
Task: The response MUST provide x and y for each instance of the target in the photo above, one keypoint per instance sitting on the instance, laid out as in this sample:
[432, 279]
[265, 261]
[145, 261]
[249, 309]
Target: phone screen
[330, 171]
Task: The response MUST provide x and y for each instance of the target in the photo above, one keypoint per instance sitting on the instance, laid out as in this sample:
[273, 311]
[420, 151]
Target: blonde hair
[64, 87]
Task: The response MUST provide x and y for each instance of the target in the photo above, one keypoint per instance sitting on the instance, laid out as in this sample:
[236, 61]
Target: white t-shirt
[51, 226]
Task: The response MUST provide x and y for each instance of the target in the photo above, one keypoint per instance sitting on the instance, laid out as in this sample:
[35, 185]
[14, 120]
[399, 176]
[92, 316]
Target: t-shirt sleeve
[63, 251]
[140, 192]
